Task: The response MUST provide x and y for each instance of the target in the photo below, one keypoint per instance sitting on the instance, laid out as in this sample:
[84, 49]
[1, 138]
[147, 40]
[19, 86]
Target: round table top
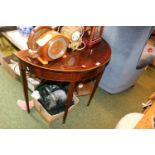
[74, 61]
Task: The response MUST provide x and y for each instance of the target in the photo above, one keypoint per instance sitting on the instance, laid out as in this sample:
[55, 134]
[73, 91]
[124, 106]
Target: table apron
[62, 76]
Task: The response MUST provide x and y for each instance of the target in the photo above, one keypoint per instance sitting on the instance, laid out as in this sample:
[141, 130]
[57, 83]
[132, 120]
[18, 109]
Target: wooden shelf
[16, 39]
[147, 120]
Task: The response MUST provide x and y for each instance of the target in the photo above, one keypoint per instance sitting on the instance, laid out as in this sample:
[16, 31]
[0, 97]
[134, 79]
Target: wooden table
[74, 67]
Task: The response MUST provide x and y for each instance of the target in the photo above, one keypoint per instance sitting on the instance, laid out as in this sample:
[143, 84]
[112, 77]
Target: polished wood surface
[74, 67]
[74, 61]
[147, 121]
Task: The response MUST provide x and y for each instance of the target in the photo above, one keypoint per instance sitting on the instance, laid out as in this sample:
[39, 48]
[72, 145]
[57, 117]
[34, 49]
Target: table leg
[69, 98]
[25, 86]
[95, 87]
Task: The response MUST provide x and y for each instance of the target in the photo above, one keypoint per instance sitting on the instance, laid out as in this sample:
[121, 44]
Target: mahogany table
[73, 67]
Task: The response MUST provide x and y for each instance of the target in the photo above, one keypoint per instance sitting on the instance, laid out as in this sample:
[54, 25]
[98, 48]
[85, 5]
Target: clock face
[57, 48]
[76, 36]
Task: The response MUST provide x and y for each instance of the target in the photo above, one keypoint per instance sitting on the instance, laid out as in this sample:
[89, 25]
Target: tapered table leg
[95, 86]
[25, 86]
[69, 98]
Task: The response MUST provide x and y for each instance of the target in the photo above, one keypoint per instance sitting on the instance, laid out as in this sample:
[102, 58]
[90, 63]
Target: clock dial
[76, 36]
